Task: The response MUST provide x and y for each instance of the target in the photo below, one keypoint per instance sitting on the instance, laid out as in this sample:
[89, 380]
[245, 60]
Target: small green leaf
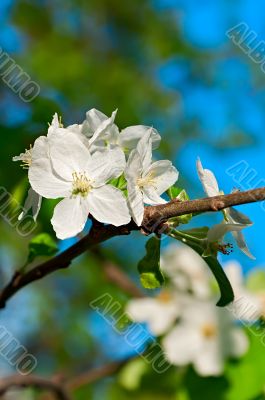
[119, 182]
[181, 195]
[149, 267]
[174, 191]
[199, 233]
[41, 245]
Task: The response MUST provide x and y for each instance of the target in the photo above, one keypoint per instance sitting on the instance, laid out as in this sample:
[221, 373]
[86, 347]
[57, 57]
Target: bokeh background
[166, 63]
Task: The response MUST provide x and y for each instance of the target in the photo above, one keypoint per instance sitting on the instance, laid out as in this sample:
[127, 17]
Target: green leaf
[41, 245]
[193, 241]
[180, 194]
[200, 233]
[247, 376]
[175, 192]
[119, 182]
[149, 267]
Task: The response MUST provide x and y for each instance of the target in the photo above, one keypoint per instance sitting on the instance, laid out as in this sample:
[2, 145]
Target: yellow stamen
[147, 180]
[209, 330]
[81, 184]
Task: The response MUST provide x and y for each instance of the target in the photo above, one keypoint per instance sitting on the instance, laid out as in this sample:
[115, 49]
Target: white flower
[160, 313]
[204, 337]
[232, 216]
[247, 306]
[101, 129]
[33, 202]
[146, 181]
[65, 169]
[186, 270]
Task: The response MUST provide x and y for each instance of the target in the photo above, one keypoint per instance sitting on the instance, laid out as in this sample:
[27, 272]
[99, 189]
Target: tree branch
[153, 218]
[35, 381]
[115, 275]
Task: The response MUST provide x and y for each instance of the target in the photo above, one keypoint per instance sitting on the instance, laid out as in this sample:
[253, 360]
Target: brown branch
[35, 381]
[96, 374]
[153, 218]
[62, 388]
[115, 275]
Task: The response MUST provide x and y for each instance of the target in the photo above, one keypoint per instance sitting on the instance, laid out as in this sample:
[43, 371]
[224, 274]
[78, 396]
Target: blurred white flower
[205, 337]
[69, 171]
[186, 270]
[160, 313]
[146, 181]
[232, 216]
[248, 306]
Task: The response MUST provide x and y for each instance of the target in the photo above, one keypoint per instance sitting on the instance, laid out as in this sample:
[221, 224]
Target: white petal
[217, 231]
[33, 201]
[106, 165]
[144, 148]
[208, 180]
[40, 148]
[237, 217]
[129, 137]
[181, 344]
[164, 175]
[68, 155]
[133, 168]
[151, 197]
[136, 203]
[157, 314]
[240, 240]
[108, 205]
[239, 343]
[54, 125]
[94, 119]
[209, 360]
[69, 217]
[102, 128]
[234, 273]
[44, 181]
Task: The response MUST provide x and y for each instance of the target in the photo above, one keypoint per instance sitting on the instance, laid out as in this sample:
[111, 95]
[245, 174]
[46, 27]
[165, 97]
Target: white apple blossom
[247, 306]
[186, 270]
[146, 181]
[34, 200]
[100, 130]
[159, 313]
[231, 216]
[205, 337]
[64, 168]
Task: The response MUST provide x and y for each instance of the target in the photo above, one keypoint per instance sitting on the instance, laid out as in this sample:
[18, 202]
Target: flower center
[81, 184]
[209, 330]
[164, 296]
[147, 180]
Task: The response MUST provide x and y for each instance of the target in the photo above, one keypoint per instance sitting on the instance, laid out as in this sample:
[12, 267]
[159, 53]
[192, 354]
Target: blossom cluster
[97, 170]
[194, 331]
[81, 163]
